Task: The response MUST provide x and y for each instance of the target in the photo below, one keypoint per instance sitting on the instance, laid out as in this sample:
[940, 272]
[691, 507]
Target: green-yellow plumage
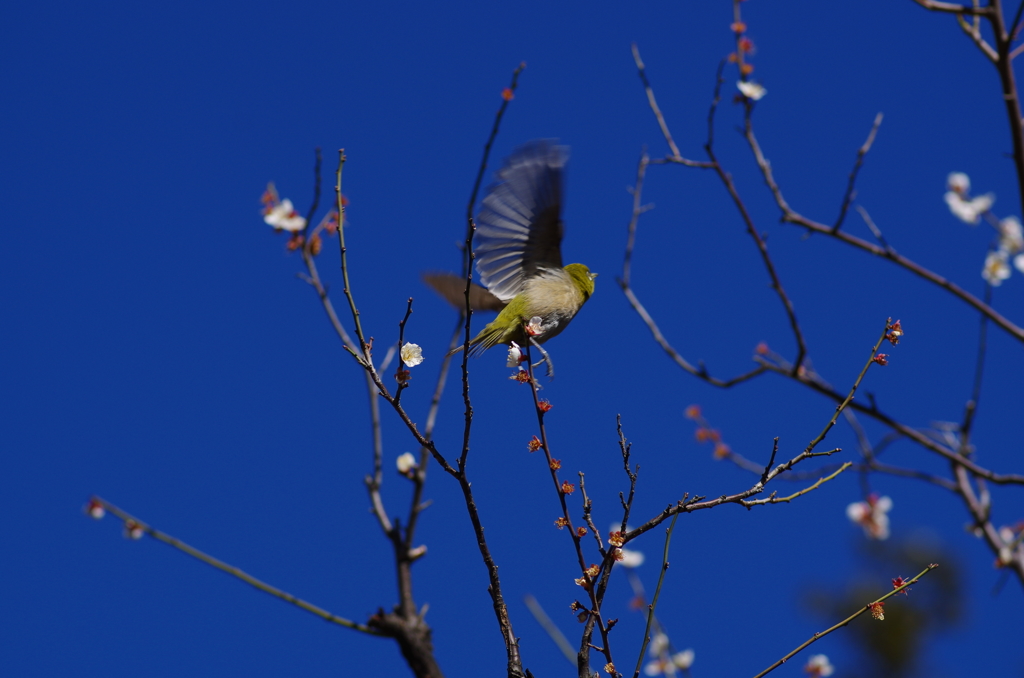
[518, 254]
[553, 296]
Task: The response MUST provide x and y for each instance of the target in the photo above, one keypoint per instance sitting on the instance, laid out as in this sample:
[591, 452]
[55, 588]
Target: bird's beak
[593, 275]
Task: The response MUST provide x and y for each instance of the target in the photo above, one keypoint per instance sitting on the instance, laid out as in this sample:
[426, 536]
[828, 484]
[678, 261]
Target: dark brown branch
[587, 581]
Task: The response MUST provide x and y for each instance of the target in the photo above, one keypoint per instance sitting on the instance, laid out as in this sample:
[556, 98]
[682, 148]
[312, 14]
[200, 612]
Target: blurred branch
[676, 156]
[952, 7]
[549, 626]
[851, 184]
[657, 593]
[869, 607]
[131, 522]
[793, 217]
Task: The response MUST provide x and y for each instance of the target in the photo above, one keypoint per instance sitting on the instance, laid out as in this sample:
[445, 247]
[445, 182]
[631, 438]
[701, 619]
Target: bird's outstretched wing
[519, 228]
[452, 289]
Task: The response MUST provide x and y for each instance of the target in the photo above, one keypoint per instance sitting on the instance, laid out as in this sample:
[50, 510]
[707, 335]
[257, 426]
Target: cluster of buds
[877, 610]
[132, 529]
[534, 444]
[561, 522]
[544, 405]
[749, 90]
[882, 359]
[625, 557]
[521, 375]
[898, 582]
[567, 487]
[581, 532]
[282, 216]
[589, 577]
[895, 331]
[706, 434]
[95, 509]
[555, 464]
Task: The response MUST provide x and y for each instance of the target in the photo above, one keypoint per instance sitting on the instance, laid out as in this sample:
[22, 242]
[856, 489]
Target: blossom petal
[752, 90]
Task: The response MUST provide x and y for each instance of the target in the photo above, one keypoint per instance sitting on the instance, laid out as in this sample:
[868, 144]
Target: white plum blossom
[872, 515]
[1011, 547]
[970, 210]
[684, 660]
[1011, 235]
[659, 644]
[515, 355]
[819, 666]
[630, 558]
[996, 268]
[283, 217]
[667, 665]
[405, 462]
[958, 182]
[535, 326]
[412, 354]
[752, 90]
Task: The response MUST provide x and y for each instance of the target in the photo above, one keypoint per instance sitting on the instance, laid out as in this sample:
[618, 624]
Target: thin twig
[699, 503]
[634, 220]
[822, 634]
[851, 184]
[588, 581]
[780, 500]
[657, 593]
[676, 156]
[132, 521]
[791, 216]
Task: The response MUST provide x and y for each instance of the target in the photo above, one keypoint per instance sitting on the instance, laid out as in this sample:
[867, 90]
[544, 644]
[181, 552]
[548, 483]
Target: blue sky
[162, 353]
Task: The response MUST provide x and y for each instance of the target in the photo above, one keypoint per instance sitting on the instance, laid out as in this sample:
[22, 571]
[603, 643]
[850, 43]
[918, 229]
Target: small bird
[519, 256]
